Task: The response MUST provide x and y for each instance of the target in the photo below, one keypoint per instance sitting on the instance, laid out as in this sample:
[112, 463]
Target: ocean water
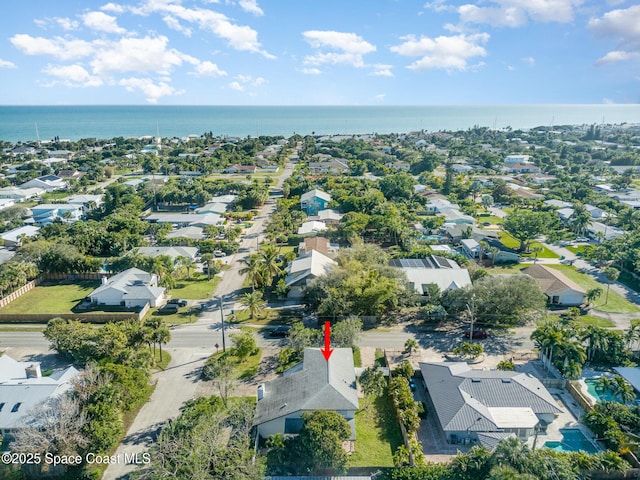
[26, 123]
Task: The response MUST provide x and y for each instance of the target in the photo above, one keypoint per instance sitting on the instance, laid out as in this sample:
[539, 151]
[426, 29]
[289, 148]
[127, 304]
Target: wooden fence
[19, 292]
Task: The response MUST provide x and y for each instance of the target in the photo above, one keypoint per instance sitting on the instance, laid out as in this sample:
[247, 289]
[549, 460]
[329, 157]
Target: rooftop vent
[475, 380]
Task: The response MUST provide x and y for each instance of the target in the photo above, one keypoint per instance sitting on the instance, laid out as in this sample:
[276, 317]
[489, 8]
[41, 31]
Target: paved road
[190, 346]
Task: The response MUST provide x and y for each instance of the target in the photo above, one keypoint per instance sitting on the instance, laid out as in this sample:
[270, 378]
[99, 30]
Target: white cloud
[618, 56]
[58, 47]
[242, 82]
[439, 6]
[511, 68]
[380, 97]
[148, 54]
[380, 70]
[72, 76]
[6, 64]
[239, 37]
[624, 26]
[174, 24]
[151, 90]
[350, 48]
[208, 69]
[312, 71]
[67, 23]
[515, 13]
[112, 7]
[102, 22]
[448, 53]
[251, 6]
[236, 86]
[529, 61]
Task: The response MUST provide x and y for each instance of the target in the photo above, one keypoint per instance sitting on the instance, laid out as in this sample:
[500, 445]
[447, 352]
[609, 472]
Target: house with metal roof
[560, 289]
[441, 271]
[173, 251]
[313, 201]
[46, 182]
[484, 406]
[131, 288]
[317, 384]
[302, 270]
[23, 389]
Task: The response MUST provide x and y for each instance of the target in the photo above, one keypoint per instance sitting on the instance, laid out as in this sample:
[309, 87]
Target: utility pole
[220, 300]
[470, 309]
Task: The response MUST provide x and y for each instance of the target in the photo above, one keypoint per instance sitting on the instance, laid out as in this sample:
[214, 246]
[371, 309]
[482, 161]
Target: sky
[311, 52]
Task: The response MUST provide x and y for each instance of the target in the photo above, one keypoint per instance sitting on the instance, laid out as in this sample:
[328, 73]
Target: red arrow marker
[327, 350]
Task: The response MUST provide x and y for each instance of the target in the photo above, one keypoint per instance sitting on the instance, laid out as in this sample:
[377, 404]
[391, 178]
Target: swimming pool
[599, 396]
[573, 440]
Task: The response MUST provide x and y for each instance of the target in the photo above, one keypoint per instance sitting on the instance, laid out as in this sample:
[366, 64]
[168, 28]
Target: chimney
[103, 280]
[260, 391]
[33, 371]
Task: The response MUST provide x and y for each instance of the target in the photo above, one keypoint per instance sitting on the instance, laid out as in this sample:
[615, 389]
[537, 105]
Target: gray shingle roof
[319, 385]
[462, 396]
[551, 281]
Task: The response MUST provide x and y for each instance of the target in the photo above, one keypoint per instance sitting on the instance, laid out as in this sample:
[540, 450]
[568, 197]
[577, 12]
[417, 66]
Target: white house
[6, 203]
[131, 288]
[317, 385]
[311, 228]
[556, 286]
[513, 159]
[440, 205]
[86, 202]
[302, 270]
[597, 230]
[23, 389]
[14, 237]
[21, 194]
[422, 272]
[471, 247]
[173, 251]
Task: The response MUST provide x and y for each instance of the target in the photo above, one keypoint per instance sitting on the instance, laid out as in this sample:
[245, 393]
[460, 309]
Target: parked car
[412, 384]
[477, 334]
[168, 309]
[177, 301]
[218, 253]
[279, 332]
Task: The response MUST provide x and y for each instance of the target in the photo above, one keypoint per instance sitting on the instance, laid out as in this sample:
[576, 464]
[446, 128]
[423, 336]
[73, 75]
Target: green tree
[411, 345]
[345, 333]
[254, 303]
[220, 370]
[372, 381]
[245, 345]
[320, 441]
[254, 269]
[592, 295]
[526, 225]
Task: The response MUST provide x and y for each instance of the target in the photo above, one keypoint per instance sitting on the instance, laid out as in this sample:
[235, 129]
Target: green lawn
[242, 370]
[596, 321]
[50, 197]
[616, 303]
[184, 315]
[269, 317]
[51, 298]
[489, 218]
[195, 289]
[508, 241]
[377, 433]
[576, 249]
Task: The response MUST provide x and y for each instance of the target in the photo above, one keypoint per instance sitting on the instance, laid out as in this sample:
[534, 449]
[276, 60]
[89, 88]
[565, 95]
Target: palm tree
[494, 253]
[186, 262]
[622, 390]
[254, 269]
[411, 345]
[162, 335]
[548, 338]
[603, 384]
[593, 295]
[580, 219]
[596, 338]
[611, 275]
[269, 256]
[536, 249]
[209, 260]
[254, 303]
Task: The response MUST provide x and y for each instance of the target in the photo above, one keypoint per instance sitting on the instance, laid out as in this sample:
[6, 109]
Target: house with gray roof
[173, 251]
[302, 270]
[23, 388]
[316, 385]
[131, 288]
[476, 406]
[441, 271]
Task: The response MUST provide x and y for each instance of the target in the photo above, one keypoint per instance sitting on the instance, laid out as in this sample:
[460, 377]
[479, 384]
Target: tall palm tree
[622, 390]
[209, 260]
[611, 275]
[162, 335]
[186, 262]
[597, 340]
[269, 256]
[593, 295]
[254, 303]
[254, 269]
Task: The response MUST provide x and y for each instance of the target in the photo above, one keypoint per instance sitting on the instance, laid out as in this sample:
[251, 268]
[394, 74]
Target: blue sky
[329, 52]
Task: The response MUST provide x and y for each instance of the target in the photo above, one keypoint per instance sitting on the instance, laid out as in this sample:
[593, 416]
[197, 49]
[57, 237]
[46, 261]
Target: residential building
[303, 269]
[186, 219]
[471, 248]
[213, 207]
[317, 384]
[173, 251]
[329, 217]
[20, 194]
[13, 238]
[86, 202]
[23, 390]
[313, 201]
[311, 228]
[131, 288]
[45, 213]
[440, 205]
[558, 203]
[193, 233]
[335, 166]
[46, 182]
[320, 244]
[478, 406]
[559, 289]
[600, 231]
[224, 199]
[457, 217]
[515, 159]
[6, 203]
[422, 272]
[246, 169]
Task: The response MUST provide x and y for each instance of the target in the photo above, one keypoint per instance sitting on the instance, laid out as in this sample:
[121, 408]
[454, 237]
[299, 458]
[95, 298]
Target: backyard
[58, 298]
[509, 241]
[194, 289]
[377, 433]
